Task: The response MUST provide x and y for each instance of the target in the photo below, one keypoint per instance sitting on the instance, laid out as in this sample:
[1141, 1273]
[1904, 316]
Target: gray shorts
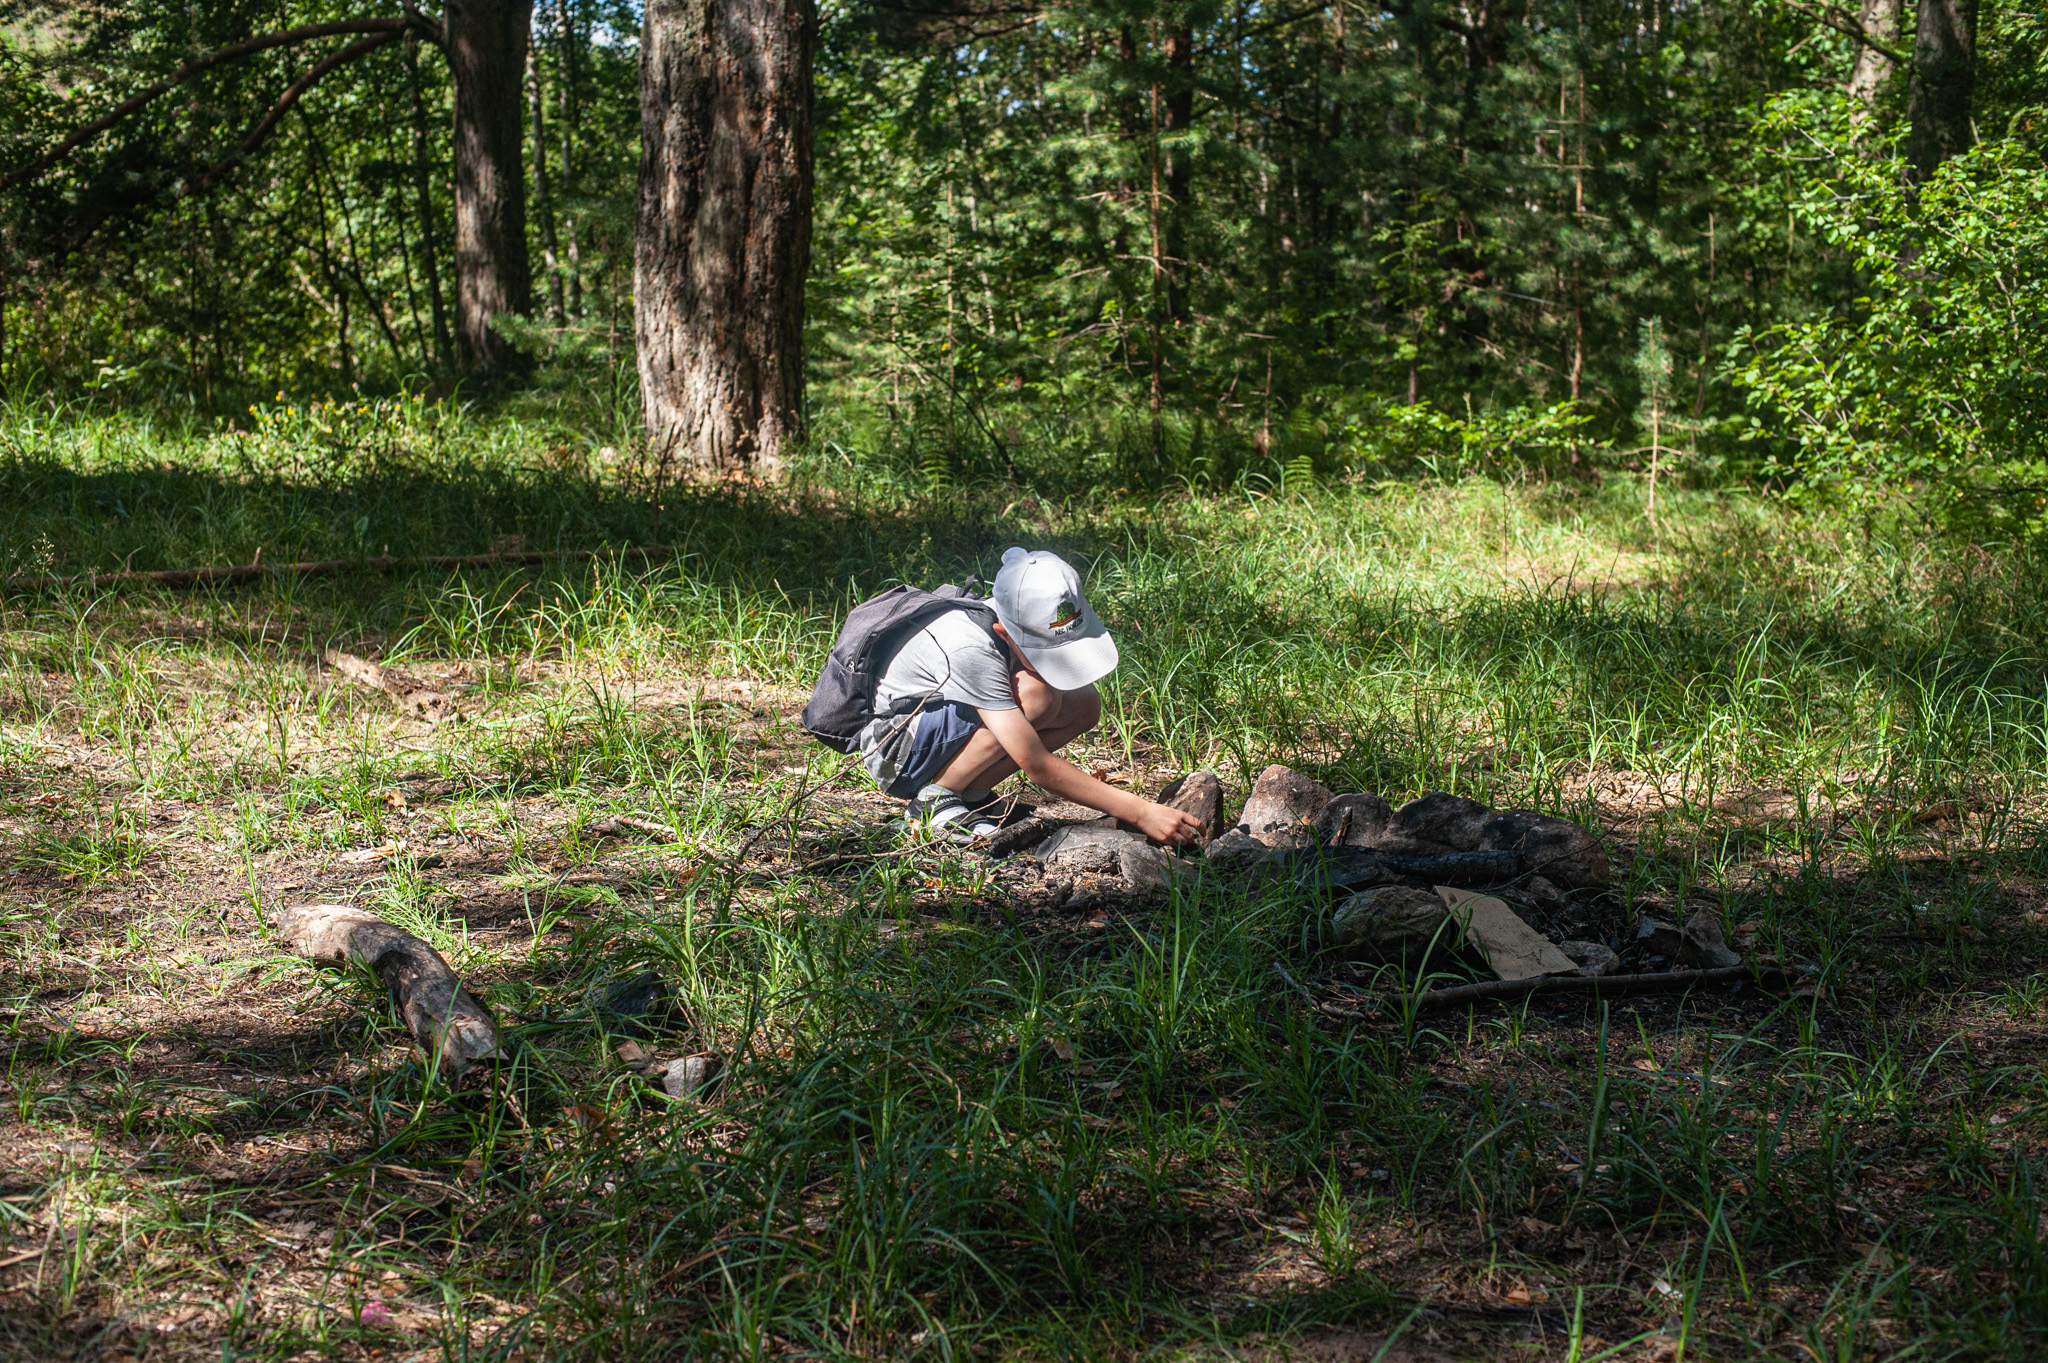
[904, 755]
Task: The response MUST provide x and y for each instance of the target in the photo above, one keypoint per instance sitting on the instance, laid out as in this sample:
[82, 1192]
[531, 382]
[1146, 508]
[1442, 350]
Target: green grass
[952, 1123]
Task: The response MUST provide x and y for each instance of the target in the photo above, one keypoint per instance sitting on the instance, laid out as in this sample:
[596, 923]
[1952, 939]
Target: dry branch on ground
[453, 1029]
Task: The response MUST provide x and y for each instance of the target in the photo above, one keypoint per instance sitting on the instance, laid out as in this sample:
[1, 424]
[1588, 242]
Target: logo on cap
[1066, 616]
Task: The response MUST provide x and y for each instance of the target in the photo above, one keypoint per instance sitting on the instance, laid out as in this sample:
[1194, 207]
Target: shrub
[1933, 383]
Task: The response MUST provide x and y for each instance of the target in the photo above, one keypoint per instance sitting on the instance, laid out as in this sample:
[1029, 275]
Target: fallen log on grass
[618, 825]
[414, 696]
[1020, 836]
[380, 563]
[1770, 977]
[453, 1029]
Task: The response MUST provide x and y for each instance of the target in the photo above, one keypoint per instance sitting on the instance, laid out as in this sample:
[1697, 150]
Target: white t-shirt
[952, 658]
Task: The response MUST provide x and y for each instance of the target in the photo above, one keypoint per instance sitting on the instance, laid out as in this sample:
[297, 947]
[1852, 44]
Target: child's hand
[1163, 823]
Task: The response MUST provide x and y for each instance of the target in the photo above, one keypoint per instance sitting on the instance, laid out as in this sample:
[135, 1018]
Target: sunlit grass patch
[107, 841]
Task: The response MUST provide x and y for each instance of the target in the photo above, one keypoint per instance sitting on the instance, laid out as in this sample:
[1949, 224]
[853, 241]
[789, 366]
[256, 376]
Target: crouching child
[944, 694]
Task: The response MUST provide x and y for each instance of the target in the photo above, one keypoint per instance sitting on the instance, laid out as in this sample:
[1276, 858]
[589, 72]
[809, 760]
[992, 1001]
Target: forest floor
[955, 1119]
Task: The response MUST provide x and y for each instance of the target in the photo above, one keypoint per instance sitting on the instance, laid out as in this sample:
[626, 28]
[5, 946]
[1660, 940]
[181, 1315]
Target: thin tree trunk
[1158, 387]
[1129, 130]
[1944, 82]
[354, 262]
[1705, 310]
[422, 180]
[412, 284]
[724, 228]
[575, 260]
[1879, 19]
[1578, 340]
[334, 282]
[1578, 216]
[1656, 454]
[487, 42]
[1264, 442]
[542, 200]
[952, 341]
[1180, 168]
[567, 118]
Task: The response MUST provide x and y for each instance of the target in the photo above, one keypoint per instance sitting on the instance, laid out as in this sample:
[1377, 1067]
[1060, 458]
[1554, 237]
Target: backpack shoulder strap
[962, 599]
[981, 611]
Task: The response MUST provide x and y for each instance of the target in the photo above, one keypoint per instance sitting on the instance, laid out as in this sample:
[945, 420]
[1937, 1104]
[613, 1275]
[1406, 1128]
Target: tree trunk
[724, 229]
[542, 200]
[486, 42]
[1158, 391]
[567, 121]
[1880, 20]
[1180, 168]
[1944, 79]
[422, 184]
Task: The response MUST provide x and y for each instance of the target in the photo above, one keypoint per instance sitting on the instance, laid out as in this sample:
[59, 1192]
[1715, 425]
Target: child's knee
[1047, 708]
[1039, 702]
[1083, 708]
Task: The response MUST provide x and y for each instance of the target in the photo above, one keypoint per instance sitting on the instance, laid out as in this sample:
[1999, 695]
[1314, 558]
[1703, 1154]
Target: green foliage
[313, 266]
[1404, 440]
[1291, 218]
[1297, 227]
[1934, 383]
[1350, 210]
[1653, 370]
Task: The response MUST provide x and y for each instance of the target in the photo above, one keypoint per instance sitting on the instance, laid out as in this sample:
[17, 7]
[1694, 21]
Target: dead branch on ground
[453, 1029]
[1767, 977]
[382, 563]
[414, 696]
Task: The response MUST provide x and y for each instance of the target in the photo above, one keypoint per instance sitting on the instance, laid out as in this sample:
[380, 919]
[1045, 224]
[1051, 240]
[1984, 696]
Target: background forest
[1139, 244]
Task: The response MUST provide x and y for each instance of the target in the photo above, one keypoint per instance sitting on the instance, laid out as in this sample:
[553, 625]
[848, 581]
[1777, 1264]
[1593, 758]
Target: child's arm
[1051, 772]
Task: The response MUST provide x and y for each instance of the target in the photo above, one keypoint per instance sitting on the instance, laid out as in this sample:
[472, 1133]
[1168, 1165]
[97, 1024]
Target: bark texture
[724, 232]
[486, 42]
[1944, 82]
[1879, 19]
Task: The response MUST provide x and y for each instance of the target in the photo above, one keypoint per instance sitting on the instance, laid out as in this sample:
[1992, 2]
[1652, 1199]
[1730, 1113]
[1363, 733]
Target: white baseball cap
[1038, 598]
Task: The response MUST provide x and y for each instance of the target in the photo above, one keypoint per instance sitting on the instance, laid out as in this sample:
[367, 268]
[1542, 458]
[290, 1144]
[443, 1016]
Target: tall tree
[723, 242]
[486, 42]
[543, 200]
[423, 195]
[1879, 22]
[1944, 81]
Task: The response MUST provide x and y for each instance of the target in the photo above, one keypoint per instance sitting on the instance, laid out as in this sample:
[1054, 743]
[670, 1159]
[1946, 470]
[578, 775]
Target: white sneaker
[953, 815]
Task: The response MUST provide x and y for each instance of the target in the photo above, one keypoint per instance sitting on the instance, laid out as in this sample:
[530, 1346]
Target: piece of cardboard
[1515, 950]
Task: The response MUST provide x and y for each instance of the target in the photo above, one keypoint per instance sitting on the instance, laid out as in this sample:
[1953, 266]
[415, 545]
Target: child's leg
[1059, 716]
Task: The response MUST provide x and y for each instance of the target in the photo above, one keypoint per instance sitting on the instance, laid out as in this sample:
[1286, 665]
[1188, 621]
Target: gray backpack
[843, 702]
